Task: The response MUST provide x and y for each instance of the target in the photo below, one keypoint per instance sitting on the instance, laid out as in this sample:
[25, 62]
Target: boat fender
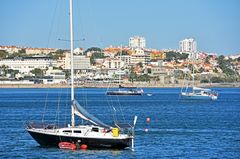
[115, 132]
[73, 146]
[83, 147]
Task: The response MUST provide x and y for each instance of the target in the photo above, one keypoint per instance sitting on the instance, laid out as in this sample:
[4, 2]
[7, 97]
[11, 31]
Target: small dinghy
[149, 94]
[67, 145]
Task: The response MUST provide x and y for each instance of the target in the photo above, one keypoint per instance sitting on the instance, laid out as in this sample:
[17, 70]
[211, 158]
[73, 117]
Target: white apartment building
[79, 62]
[125, 58]
[25, 65]
[140, 58]
[188, 45]
[137, 42]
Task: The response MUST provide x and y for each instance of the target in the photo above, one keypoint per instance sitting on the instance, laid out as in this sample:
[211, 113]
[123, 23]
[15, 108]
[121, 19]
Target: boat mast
[72, 76]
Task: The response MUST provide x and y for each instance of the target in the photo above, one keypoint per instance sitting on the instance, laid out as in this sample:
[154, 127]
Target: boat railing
[125, 128]
[36, 125]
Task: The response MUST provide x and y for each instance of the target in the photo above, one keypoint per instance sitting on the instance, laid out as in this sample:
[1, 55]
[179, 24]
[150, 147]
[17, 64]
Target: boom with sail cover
[200, 89]
[84, 114]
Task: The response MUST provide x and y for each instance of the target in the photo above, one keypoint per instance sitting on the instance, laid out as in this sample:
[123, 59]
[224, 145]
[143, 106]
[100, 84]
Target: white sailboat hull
[193, 96]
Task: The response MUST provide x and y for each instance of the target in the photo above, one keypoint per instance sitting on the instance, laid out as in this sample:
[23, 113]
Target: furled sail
[82, 113]
[200, 89]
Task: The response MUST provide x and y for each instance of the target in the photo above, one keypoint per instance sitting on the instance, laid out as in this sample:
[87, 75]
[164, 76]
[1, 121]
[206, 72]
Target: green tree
[215, 70]
[238, 59]
[207, 59]
[67, 74]
[217, 80]
[204, 81]
[22, 51]
[12, 72]
[144, 77]
[225, 65]
[132, 75]
[93, 49]
[122, 53]
[56, 55]
[37, 72]
[96, 56]
[200, 70]
[3, 54]
[176, 56]
[4, 68]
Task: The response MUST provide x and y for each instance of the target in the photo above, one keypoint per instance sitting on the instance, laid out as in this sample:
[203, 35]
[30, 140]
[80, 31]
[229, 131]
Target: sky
[215, 24]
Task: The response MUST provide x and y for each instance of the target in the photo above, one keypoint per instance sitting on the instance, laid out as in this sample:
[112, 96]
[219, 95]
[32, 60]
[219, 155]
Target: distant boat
[125, 91]
[94, 134]
[149, 94]
[199, 93]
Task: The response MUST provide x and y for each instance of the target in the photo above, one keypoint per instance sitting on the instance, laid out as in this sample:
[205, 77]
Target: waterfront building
[26, 64]
[137, 42]
[61, 61]
[80, 62]
[58, 76]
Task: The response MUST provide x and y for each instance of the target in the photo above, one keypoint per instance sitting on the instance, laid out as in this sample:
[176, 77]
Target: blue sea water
[177, 128]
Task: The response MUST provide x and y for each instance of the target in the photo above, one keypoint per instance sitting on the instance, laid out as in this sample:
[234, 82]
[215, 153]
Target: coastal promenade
[106, 85]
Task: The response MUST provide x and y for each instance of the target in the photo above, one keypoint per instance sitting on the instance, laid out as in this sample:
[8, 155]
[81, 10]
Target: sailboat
[198, 92]
[96, 134]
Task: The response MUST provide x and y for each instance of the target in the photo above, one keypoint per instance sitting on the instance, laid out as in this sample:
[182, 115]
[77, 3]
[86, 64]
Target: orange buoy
[148, 119]
[83, 147]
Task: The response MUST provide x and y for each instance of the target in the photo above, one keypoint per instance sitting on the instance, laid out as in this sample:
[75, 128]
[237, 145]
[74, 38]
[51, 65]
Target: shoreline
[104, 85]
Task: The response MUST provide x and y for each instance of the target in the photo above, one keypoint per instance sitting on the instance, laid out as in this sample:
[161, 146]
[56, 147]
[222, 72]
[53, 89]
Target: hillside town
[134, 64]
